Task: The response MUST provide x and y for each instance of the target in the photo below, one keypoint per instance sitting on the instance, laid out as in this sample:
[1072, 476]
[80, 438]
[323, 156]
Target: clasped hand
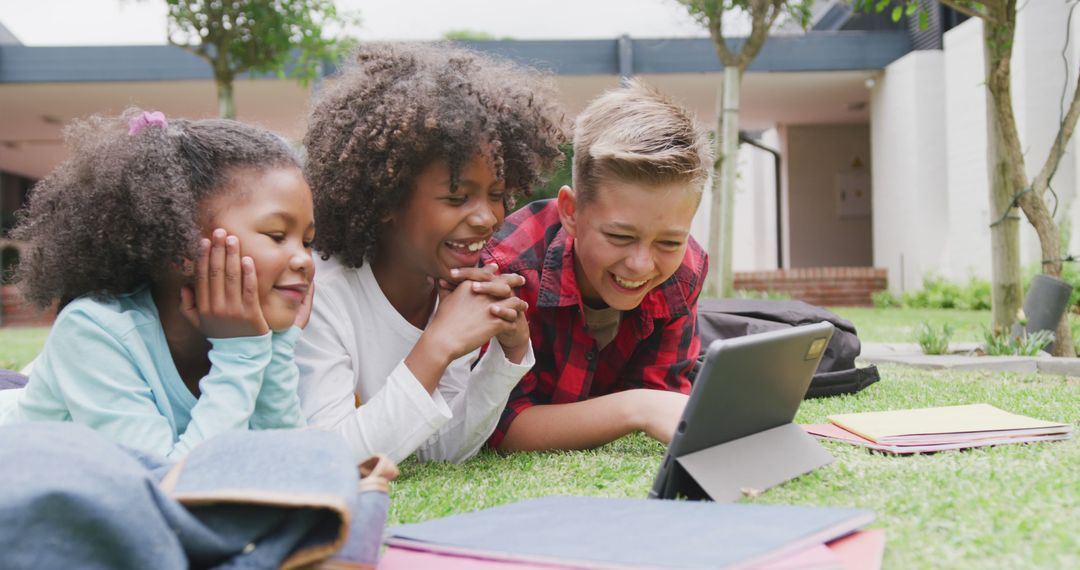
[480, 304]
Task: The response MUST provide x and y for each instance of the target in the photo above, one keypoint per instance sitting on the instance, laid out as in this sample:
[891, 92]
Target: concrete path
[962, 357]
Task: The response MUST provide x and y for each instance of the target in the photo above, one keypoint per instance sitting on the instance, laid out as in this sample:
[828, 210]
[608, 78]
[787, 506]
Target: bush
[937, 293]
[1001, 344]
[885, 300]
[933, 340]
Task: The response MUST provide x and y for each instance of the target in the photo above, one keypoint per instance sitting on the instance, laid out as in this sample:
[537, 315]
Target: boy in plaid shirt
[612, 279]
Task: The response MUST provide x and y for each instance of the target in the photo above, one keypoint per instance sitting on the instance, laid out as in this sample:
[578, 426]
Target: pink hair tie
[139, 122]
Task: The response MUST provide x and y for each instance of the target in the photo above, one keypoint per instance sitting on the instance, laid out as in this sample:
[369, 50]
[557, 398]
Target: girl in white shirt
[414, 154]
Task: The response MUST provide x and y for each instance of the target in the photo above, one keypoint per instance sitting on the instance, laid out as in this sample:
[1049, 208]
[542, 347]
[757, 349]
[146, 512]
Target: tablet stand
[748, 465]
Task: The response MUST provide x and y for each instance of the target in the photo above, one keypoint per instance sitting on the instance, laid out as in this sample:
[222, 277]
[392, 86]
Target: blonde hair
[635, 134]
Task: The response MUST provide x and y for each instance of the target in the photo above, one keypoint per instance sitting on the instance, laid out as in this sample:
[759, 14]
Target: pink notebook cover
[861, 550]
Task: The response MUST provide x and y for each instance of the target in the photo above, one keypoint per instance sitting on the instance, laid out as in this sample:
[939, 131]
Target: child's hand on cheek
[224, 301]
[303, 314]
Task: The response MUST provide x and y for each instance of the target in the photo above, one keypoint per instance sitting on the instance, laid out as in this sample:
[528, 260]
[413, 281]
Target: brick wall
[18, 313]
[826, 286]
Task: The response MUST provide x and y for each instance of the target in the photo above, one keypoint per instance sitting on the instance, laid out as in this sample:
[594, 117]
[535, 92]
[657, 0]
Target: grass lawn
[898, 325]
[1004, 507]
[19, 345]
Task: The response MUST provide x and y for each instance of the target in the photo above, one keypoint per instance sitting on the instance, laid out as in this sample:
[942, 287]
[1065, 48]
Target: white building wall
[1039, 78]
[755, 208]
[908, 143]
[754, 246]
[967, 241]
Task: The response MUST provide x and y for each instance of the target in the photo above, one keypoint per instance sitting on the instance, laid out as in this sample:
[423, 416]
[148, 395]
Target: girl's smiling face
[271, 212]
[436, 230]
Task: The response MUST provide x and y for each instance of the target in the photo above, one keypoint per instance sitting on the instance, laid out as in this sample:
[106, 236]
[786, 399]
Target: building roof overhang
[812, 51]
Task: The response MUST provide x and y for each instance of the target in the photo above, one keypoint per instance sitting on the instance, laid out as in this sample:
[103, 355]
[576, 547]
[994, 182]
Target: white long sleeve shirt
[355, 345]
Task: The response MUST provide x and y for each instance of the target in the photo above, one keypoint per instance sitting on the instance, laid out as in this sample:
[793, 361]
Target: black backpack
[836, 374]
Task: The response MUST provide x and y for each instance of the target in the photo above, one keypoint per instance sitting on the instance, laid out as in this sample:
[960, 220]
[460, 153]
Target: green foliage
[937, 293]
[932, 339]
[885, 300]
[998, 343]
[9, 260]
[704, 11]
[766, 295]
[1070, 273]
[900, 8]
[1074, 327]
[561, 177]
[471, 35]
[238, 36]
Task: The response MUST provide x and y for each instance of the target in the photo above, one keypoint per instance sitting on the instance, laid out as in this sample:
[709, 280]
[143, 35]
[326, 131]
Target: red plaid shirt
[656, 344]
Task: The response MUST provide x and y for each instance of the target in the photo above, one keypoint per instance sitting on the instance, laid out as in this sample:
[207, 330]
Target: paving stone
[958, 362]
[909, 354]
[1059, 366]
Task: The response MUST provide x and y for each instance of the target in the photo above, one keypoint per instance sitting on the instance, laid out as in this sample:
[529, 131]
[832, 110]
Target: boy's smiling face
[628, 239]
[437, 230]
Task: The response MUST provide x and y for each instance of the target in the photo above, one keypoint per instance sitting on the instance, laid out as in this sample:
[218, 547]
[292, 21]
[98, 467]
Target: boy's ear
[567, 204]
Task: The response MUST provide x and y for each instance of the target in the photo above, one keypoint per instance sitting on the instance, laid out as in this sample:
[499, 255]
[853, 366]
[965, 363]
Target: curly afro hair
[398, 107]
[124, 208]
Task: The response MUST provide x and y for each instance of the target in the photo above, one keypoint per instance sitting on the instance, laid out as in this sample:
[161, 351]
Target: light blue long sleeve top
[106, 364]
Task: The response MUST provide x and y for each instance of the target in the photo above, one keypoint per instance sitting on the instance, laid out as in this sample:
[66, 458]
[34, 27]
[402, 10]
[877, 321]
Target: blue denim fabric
[71, 498]
[10, 379]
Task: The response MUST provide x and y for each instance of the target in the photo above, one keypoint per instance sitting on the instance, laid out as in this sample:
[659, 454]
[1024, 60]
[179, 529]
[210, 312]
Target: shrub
[1024, 344]
[937, 293]
[933, 340]
[885, 300]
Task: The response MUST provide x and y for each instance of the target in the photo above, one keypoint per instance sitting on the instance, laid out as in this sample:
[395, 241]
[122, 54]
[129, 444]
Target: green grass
[18, 346]
[1003, 507]
[898, 325]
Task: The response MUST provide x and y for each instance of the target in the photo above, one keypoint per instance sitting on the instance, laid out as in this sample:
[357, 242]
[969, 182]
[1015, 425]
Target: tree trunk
[1007, 290]
[226, 103]
[722, 212]
[1008, 178]
[1006, 293]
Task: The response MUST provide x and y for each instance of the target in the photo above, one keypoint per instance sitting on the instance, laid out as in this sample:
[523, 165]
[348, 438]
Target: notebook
[592, 532]
[833, 432]
[944, 424]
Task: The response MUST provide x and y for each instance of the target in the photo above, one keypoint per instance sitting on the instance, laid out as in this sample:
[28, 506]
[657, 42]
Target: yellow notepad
[905, 425]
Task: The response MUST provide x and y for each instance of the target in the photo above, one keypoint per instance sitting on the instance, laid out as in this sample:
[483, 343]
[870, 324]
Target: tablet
[736, 434]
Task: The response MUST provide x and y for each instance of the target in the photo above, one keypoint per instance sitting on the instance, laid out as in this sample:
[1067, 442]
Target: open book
[938, 429]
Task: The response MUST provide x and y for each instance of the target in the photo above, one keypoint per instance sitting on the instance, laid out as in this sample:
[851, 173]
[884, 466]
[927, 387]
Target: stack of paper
[938, 429]
[590, 532]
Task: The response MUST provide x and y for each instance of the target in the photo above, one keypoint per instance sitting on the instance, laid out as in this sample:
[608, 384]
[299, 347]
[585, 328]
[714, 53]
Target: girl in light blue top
[186, 248]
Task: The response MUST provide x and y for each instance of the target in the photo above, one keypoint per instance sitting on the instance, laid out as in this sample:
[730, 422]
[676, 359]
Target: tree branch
[716, 31]
[761, 22]
[1065, 131]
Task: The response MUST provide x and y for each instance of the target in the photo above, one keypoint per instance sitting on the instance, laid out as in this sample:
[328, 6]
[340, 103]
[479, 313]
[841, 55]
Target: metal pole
[779, 197]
